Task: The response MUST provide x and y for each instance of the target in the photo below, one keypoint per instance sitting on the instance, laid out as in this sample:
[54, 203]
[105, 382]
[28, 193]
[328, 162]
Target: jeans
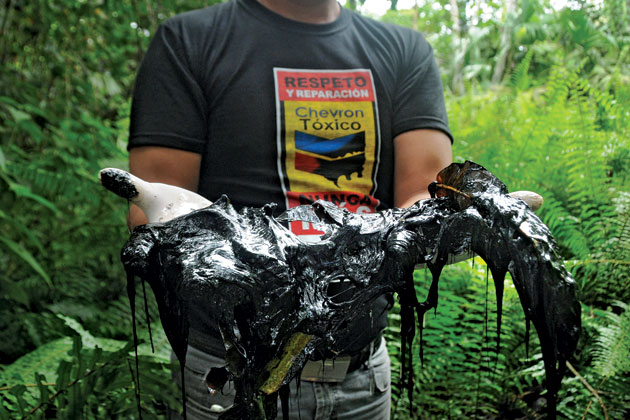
[365, 393]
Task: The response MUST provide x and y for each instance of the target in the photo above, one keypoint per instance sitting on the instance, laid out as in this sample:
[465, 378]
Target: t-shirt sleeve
[419, 99]
[168, 107]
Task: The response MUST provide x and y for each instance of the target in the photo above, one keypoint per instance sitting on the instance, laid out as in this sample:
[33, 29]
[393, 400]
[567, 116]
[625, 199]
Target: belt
[323, 370]
[335, 370]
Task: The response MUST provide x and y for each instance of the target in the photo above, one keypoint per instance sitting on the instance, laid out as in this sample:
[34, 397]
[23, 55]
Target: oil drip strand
[147, 316]
[131, 294]
[266, 290]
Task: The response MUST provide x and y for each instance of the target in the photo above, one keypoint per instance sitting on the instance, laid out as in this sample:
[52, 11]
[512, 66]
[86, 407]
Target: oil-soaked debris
[268, 291]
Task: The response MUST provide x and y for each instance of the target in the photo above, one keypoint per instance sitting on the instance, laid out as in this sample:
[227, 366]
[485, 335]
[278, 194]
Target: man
[290, 101]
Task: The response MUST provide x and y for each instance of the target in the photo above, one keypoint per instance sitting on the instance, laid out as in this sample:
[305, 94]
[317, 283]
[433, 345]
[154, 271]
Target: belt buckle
[327, 370]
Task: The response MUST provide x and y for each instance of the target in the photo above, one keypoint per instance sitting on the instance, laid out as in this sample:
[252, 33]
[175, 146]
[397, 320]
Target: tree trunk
[416, 15]
[506, 41]
[457, 83]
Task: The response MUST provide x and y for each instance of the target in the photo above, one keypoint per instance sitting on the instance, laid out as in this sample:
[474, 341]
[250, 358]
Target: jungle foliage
[539, 96]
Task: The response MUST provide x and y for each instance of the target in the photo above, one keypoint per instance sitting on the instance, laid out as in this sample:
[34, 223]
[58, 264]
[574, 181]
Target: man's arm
[165, 165]
[419, 156]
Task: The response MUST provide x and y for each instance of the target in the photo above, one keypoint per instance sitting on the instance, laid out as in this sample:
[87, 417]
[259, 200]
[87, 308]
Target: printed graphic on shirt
[328, 139]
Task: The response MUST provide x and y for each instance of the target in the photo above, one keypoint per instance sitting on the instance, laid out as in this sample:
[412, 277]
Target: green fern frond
[611, 352]
[79, 382]
[520, 79]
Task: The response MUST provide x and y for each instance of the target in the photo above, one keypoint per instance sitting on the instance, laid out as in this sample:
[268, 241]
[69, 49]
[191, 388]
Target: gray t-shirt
[288, 112]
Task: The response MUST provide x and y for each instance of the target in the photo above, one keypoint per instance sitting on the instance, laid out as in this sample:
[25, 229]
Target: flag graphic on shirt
[330, 158]
[328, 139]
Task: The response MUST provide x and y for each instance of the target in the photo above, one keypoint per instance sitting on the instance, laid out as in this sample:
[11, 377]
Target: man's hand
[165, 165]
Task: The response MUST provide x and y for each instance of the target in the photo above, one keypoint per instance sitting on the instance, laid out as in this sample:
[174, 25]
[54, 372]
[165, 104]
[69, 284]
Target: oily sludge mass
[267, 291]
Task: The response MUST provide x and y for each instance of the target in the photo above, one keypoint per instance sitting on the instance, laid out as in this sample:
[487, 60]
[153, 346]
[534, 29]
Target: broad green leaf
[88, 340]
[23, 191]
[27, 257]
[43, 360]
[18, 116]
[7, 100]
